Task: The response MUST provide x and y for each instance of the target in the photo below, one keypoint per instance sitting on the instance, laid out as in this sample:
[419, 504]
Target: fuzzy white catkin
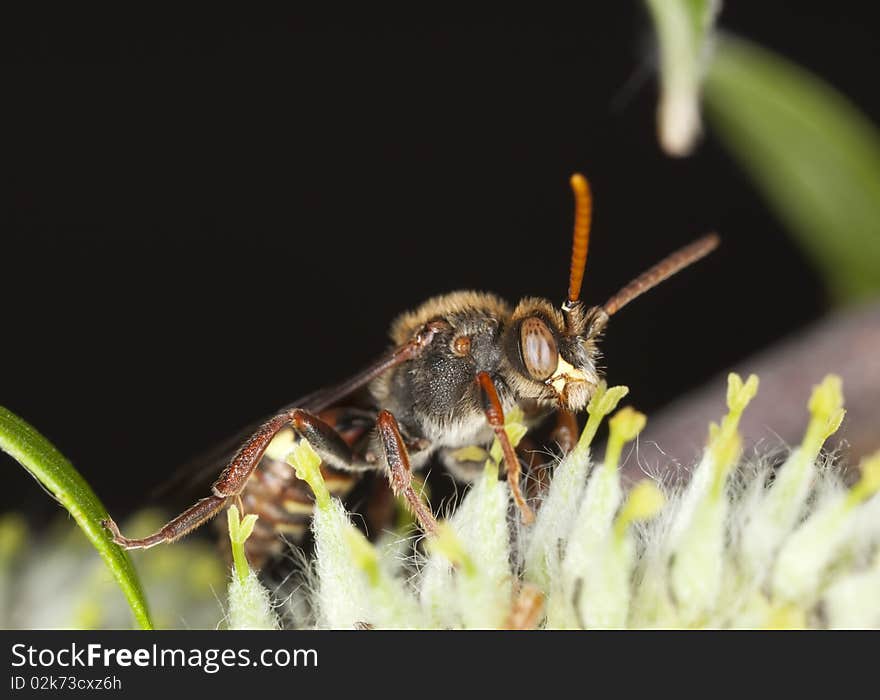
[249, 604]
[587, 551]
[853, 602]
[698, 565]
[482, 600]
[804, 557]
[772, 520]
[590, 562]
[556, 517]
[603, 598]
[485, 598]
[437, 593]
[682, 508]
[648, 579]
[342, 600]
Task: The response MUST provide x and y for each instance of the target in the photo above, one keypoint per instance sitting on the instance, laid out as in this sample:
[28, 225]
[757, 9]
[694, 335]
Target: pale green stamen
[239, 531]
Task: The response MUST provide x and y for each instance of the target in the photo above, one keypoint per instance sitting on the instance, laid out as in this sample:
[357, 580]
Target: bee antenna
[664, 269]
[583, 211]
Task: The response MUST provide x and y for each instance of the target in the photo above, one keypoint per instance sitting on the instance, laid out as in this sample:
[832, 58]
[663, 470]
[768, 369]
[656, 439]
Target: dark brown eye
[539, 352]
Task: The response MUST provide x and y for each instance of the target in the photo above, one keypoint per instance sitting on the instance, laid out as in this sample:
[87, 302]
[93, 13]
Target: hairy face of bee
[550, 362]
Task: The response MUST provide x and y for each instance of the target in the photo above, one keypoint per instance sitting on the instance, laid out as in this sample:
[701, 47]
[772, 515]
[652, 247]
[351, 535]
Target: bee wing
[206, 466]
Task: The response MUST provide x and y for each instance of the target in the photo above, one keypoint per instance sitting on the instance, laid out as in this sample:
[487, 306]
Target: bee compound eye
[538, 346]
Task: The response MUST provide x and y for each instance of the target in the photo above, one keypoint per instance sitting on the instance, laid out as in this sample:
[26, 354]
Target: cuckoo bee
[457, 364]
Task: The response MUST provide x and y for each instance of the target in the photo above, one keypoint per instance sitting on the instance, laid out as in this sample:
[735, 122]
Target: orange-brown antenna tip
[583, 212]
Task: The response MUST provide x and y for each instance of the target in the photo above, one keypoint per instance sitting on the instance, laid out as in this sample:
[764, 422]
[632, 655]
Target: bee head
[552, 354]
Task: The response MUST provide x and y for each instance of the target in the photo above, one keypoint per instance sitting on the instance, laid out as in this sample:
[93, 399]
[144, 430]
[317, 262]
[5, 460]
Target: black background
[204, 218]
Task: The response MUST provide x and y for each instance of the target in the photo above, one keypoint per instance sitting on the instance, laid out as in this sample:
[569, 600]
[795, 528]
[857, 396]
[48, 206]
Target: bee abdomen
[284, 506]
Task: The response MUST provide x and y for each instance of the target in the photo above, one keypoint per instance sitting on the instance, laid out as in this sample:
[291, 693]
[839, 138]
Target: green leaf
[815, 157]
[684, 31]
[36, 454]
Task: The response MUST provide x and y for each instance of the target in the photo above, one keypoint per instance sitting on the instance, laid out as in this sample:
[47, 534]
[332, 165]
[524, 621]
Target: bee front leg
[400, 470]
[495, 416]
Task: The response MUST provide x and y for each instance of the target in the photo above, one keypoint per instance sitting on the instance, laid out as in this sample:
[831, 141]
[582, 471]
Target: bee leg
[528, 607]
[380, 511]
[537, 472]
[327, 442]
[229, 484]
[400, 471]
[495, 416]
[565, 433]
[187, 521]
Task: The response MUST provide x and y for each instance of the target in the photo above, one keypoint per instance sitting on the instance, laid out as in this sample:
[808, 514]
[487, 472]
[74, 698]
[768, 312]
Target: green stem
[23, 443]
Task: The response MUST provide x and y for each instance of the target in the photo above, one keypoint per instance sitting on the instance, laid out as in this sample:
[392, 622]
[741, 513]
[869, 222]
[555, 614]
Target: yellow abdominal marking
[471, 453]
[281, 445]
[340, 484]
[292, 529]
[298, 507]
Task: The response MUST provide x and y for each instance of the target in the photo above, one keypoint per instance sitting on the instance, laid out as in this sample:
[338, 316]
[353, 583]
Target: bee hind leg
[229, 485]
[328, 443]
[335, 452]
[189, 520]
